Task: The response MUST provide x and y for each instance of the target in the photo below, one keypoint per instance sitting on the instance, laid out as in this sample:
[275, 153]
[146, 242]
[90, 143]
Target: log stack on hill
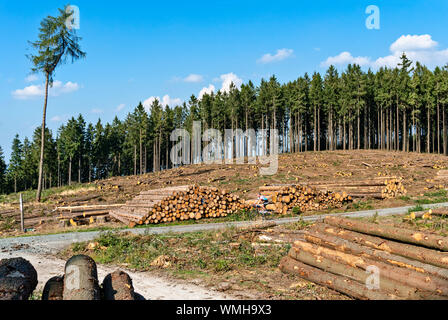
[177, 204]
[370, 261]
[376, 188]
[85, 214]
[306, 198]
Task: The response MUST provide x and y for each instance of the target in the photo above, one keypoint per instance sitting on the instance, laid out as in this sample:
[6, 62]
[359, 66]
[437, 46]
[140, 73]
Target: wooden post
[22, 222]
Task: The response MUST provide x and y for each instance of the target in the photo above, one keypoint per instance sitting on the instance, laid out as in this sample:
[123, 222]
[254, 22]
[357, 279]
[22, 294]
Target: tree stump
[118, 286]
[18, 279]
[81, 279]
[54, 289]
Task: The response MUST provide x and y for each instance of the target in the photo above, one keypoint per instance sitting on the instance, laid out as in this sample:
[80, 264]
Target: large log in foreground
[421, 254]
[426, 286]
[54, 289]
[118, 286]
[336, 243]
[339, 283]
[18, 279]
[405, 235]
[389, 286]
[397, 270]
[81, 279]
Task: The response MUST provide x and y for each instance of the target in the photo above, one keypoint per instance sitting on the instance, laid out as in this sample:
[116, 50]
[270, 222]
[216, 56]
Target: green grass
[192, 254]
[438, 196]
[415, 209]
[361, 205]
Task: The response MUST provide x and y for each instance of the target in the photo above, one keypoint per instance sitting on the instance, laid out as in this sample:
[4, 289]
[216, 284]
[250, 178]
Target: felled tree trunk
[425, 255]
[403, 291]
[81, 279]
[421, 282]
[339, 283]
[400, 234]
[343, 245]
[18, 279]
[118, 286]
[54, 289]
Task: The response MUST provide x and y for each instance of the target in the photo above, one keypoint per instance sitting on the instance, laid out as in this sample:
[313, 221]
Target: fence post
[22, 222]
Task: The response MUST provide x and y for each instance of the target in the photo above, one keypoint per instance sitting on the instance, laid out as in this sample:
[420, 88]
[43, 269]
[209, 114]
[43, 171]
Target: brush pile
[306, 198]
[370, 261]
[177, 204]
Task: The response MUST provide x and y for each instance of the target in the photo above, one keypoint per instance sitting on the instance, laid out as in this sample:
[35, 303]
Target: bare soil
[417, 170]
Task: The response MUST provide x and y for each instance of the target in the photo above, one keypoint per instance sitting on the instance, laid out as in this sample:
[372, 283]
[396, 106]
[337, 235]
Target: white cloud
[28, 92]
[120, 107]
[281, 54]
[96, 111]
[206, 90]
[56, 119]
[34, 91]
[419, 48]
[229, 78]
[193, 78]
[226, 80]
[166, 100]
[412, 43]
[345, 58]
[31, 78]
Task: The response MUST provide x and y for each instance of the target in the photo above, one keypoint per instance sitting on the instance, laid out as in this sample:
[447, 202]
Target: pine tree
[56, 44]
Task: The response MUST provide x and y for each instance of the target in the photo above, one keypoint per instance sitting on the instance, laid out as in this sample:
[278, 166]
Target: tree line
[402, 108]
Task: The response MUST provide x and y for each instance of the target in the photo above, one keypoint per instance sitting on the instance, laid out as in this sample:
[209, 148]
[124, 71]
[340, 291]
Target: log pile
[76, 215]
[375, 188]
[370, 261]
[177, 204]
[306, 198]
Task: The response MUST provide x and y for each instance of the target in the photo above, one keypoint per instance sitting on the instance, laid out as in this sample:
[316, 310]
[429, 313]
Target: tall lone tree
[57, 42]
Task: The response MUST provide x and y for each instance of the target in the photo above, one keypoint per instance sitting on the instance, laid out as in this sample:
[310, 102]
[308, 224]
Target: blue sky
[142, 49]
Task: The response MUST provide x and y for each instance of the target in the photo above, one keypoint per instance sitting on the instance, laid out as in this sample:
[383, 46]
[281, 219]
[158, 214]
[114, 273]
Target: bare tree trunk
[135, 159]
[444, 132]
[428, 133]
[79, 169]
[70, 172]
[438, 128]
[141, 153]
[314, 130]
[318, 129]
[42, 141]
[405, 131]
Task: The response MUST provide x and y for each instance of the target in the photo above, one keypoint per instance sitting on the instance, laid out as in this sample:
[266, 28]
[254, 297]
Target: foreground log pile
[306, 198]
[370, 261]
[177, 204]
[18, 280]
[375, 188]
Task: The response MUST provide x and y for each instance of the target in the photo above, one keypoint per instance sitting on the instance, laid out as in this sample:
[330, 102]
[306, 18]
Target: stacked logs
[306, 198]
[369, 261]
[178, 204]
[375, 188]
[76, 215]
